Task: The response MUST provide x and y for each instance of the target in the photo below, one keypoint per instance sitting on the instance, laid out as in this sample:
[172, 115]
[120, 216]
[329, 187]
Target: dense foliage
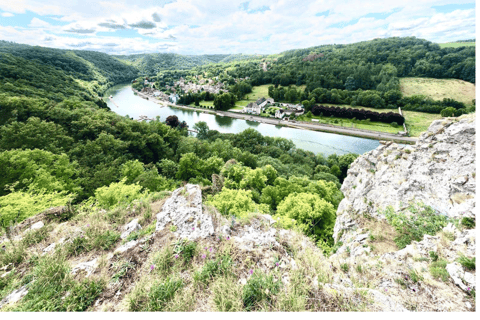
[359, 114]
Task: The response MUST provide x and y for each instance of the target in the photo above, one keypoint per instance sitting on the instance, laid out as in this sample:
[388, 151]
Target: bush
[213, 268]
[18, 206]
[235, 202]
[314, 215]
[448, 112]
[116, 194]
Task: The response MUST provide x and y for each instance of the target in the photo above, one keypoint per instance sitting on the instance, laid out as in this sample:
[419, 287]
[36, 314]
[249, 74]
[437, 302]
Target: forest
[60, 144]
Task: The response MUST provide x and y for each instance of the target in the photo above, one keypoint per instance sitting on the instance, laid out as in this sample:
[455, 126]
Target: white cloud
[7, 14]
[218, 26]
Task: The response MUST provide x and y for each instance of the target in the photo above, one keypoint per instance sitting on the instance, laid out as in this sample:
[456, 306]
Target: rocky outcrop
[439, 170]
[183, 210]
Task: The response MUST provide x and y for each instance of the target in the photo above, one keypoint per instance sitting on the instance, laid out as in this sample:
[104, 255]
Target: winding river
[126, 103]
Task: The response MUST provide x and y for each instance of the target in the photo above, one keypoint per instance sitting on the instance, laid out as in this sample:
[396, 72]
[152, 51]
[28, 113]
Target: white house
[252, 108]
[279, 114]
[173, 98]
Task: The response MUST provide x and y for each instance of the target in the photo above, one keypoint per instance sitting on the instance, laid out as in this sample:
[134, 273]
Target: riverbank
[361, 133]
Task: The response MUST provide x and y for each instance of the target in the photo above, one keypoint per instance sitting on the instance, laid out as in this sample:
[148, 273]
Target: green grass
[212, 269]
[359, 124]
[456, 44]
[468, 263]
[438, 89]
[414, 226]
[259, 289]
[418, 122]
[438, 270]
[158, 296]
[257, 92]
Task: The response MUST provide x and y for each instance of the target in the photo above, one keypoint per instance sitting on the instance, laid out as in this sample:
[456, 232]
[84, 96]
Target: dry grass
[438, 89]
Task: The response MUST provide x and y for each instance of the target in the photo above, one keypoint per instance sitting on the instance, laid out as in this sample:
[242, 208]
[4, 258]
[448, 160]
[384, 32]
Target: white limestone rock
[126, 246]
[14, 296]
[130, 227]
[439, 170]
[37, 225]
[184, 210]
[89, 267]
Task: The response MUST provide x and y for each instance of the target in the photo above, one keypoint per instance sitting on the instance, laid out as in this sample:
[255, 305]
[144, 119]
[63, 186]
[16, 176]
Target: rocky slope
[177, 242]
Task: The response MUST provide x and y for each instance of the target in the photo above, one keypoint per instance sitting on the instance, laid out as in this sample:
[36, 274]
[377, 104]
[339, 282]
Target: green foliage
[260, 288]
[314, 215]
[37, 169]
[18, 206]
[438, 270]
[94, 239]
[344, 267]
[117, 194]
[468, 223]
[185, 249]
[421, 220]
[415, 276]
[158, 297]
[234, 202]
[468, 263]
[52, 282]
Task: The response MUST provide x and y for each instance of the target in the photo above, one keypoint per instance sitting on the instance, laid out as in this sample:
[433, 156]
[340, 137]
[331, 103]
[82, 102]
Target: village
[181, 86]
[266, 107]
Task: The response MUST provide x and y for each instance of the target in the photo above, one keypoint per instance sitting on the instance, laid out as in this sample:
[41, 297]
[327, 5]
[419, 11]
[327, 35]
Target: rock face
[184, 211]
[14, 296]
[439, 170]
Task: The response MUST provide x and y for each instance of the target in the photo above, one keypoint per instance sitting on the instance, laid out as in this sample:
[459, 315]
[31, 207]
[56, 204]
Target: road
[306, 126]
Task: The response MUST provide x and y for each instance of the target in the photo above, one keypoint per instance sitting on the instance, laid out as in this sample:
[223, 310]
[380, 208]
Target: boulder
[130, 227]
[14, 296]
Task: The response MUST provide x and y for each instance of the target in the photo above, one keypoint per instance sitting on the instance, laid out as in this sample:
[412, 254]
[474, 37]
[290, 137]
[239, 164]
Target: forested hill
[151, 64]
[99, 69]
[368, 65]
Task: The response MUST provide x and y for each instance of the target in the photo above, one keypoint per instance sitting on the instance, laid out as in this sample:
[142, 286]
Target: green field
[418, 122]
[456, 44]
[438, 89]
[203, 103]
[257, 93]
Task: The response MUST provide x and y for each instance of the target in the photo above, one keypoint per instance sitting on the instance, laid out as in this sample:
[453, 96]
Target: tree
[172, 121]
[448, 112]
[202, 130]
[224, 101]
[350, 84]
[314, 215]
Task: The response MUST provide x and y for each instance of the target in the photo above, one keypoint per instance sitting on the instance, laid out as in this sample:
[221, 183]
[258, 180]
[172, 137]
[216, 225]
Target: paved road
[312, 126]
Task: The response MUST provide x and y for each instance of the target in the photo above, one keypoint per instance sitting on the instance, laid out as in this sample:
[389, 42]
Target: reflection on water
[317, 142]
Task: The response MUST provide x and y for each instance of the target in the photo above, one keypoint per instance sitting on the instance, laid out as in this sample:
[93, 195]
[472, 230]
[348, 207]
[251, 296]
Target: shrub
[235, 202]
[448, 112]
[18, 206]
[185, 249]
[314, 215]
[116, 194]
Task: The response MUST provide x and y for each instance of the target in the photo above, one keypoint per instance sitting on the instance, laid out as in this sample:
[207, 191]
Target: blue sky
[214, 26]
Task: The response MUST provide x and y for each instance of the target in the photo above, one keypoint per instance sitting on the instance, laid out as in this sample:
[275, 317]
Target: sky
[197, 27]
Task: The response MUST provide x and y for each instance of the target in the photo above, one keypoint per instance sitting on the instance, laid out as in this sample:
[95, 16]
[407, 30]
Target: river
[318, 142]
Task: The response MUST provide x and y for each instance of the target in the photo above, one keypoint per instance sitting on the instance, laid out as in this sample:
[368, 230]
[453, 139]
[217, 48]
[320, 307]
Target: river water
[318, 142]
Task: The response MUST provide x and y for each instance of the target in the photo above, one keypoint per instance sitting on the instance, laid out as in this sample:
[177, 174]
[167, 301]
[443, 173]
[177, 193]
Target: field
[456, 44]
[257, 92]
[438, 89]
[418, 122]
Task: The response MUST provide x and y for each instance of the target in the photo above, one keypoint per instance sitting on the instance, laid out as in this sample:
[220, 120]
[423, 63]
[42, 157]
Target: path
[303, 125]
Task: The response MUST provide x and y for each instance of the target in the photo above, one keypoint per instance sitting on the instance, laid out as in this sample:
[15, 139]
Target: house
[173, 98]
[265, 102]
[252, 108]
[156, 93]
[280, 113]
